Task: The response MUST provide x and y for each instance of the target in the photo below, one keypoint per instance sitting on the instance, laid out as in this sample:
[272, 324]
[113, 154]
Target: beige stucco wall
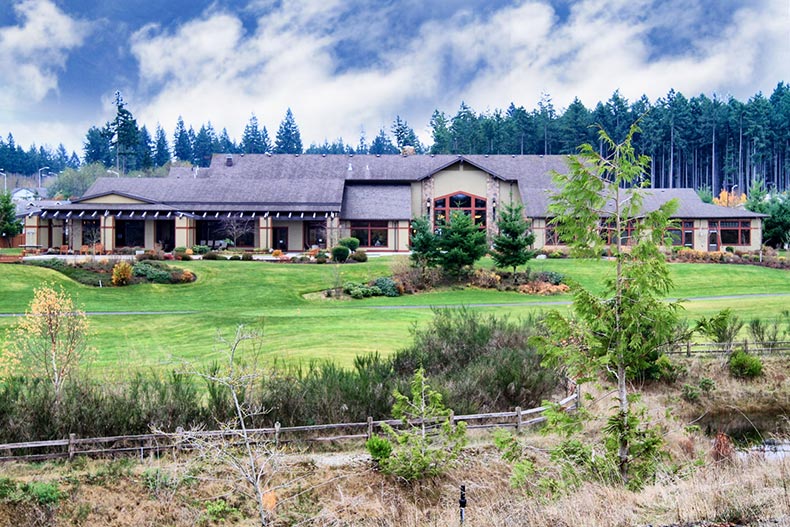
[150, 234]
[460, 178]
[107, 229]
[417, 200]
[112, 198]
[185, 232]
[295, 233]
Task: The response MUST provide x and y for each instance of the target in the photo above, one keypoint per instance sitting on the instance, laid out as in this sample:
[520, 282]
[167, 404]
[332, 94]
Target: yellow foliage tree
[730, 199]
[50, 341]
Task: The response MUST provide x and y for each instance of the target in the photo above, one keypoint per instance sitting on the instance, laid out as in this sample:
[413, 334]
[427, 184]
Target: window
[551, 236]
[609, 232]
[90, 232]
[130, 233]
[468, 204]
[370, 233]
[732, 232]
[683, 237]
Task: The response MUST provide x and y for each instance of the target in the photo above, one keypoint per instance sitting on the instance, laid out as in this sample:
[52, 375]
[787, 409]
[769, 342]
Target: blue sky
[344, 66]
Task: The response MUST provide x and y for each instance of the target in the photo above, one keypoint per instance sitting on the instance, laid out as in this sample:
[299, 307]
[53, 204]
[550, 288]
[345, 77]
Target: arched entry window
[470, 205]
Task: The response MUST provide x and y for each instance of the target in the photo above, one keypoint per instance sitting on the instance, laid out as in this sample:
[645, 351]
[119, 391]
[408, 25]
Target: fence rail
[160, 442]
[713, 348]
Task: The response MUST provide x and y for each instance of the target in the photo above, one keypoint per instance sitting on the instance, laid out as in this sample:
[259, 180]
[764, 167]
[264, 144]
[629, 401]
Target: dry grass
[341, 488]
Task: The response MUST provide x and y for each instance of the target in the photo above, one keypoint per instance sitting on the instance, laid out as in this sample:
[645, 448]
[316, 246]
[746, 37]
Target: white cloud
[211, 69]
[32, 52]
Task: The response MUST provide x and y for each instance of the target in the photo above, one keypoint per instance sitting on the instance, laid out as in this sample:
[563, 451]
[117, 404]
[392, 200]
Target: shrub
[149, 255]
[122, 273]
[42, 493]
[200, 249]
[745, 366]
[690, 393]
[185, 257]
[340, 253]
[359, 256]
[707, 384]
[387, 286]
[235, 257]
[380, 448]
[277, 253]
[550, 277]
[247, 257]
[321, 259]
[350, 242]
[211, 255]
[483, 278]
[186, 276]
[180, 250]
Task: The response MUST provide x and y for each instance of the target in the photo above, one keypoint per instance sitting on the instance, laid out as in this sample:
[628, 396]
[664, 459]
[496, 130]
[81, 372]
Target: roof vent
[270, 154]
[295, 155]
[432, 155]
[350, 168]
[541, 155]
[229, 160]
[486, 155]
[323, 155]
[513, 156]
[242, 154]
[350, 155]
[378, 155]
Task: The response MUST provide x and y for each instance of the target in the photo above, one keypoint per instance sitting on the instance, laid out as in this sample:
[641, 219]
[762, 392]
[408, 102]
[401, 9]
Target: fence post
[277, 433]
[370, 427]
[72, 445]
[518, 419]
[578, 396]
[688, 349]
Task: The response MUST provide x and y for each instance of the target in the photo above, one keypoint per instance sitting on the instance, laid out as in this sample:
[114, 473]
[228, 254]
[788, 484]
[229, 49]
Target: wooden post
[518, 419]
[578, 396]
[688, 349]
[72, 445]
[276, 433]
[452, 418]
[370, 427]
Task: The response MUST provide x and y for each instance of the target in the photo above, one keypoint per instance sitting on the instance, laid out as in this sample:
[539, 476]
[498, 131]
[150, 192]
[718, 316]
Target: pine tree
[226, 144]
[288, 140]
[145, 158]
[404, 134]
[461, 243]
[161, 148]
[182, 146]
[251, 140]
[126, 136]
[97, 147]
[511, 245]
[382, 145]
[203, 147]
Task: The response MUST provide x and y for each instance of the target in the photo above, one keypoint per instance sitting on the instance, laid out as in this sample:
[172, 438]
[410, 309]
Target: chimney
[229, 160]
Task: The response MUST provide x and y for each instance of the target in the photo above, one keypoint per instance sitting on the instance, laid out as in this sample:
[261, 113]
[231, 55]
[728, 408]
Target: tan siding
[112, 198]
[469, 180]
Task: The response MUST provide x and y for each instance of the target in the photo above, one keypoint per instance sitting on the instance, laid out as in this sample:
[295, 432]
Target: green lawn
[269, 297]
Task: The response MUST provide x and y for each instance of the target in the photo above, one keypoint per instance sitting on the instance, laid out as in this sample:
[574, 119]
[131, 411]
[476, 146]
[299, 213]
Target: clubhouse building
[298, 202]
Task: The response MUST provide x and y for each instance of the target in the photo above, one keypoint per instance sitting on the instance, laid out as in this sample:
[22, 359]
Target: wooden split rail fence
[713, 348]
[162, 442]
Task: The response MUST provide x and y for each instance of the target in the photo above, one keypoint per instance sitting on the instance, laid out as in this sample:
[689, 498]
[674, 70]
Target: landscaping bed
[100, 273]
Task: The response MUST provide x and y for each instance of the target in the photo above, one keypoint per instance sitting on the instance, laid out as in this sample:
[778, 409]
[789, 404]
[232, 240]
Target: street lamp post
[5, 181]
[39, 175]
[114, 172]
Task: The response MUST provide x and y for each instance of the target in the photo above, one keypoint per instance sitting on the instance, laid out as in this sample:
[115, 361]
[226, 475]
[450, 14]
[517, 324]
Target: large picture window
[370, 233]
[732, 232]
[90, 232]
[470, 205]
[683, 237]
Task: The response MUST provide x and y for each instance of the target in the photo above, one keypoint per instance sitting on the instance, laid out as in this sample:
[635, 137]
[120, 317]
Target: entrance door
[315, 234]
[165, 234]
[280, 238]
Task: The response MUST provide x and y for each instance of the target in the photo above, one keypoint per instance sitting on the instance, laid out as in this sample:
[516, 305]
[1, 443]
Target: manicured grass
[11, 250]
[269, 297]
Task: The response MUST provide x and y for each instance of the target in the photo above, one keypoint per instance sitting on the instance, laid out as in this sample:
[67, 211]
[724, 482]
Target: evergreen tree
[382, 145]
[251, 140]
[362, 147]
[512, 244]
[619, 332]
[404, 134]
[226, 145]
[288, 140]
[424, 245]
[461, 243]
[97, 148]
[126, 136]
[182, 147]
[145, 158]
[10, 226]
[161, 148]
[266, 142]
[440, 133]
[203, 147]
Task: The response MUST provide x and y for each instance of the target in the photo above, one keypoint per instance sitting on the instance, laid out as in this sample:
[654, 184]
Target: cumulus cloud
[33, 52]
[306, 55]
